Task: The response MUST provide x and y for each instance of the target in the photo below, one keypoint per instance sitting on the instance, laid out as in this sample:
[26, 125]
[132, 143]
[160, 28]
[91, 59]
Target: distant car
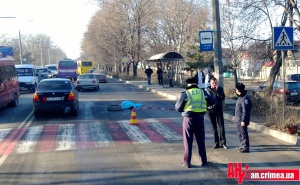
[87, 81]
[55, 94]
[292, 91]
[294, 77]
[43, 73]
[92, 70]
[53, 69]
[101, 75]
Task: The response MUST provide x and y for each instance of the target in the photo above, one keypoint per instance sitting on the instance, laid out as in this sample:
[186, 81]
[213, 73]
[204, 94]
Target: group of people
[160, 72]
[204, 95]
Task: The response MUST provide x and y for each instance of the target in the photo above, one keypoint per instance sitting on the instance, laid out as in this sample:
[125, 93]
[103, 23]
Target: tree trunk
[134, 69]
[274, 71]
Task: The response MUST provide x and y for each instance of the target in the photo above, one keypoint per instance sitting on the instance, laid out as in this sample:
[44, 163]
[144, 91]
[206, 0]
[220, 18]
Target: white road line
[3, 133]
[134, 132]
[2, 159]
[25, 120]
[100, 135]
[29, 140]
[65, 137]
[164, 130]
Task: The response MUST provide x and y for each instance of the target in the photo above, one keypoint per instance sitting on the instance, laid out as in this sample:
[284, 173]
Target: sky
[64, 21]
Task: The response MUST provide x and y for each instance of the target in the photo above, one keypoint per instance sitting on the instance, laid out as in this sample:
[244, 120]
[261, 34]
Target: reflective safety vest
[196, 101]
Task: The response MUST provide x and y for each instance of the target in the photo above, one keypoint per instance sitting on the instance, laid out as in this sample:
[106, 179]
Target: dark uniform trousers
[194, 126]
[243, 136]
[217, 121]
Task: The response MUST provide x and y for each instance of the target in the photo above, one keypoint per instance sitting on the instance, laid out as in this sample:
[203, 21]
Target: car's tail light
[94, 81]
[71, 96]
[36, 97]
[286, 90]
[44, 99]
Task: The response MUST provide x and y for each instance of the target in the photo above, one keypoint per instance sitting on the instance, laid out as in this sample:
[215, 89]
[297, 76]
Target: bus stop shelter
[170, 60]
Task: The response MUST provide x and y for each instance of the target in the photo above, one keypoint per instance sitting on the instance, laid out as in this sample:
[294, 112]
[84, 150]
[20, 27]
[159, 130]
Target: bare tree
[238, 28]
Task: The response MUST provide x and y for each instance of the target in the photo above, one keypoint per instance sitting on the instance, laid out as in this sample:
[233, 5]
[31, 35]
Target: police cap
[192, 80]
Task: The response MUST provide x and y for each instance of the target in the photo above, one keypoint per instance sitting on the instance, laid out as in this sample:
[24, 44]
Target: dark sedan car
[292, 91]
[55, 94]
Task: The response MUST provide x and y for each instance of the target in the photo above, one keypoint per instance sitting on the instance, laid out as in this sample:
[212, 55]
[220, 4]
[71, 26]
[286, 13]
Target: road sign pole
[283, 81]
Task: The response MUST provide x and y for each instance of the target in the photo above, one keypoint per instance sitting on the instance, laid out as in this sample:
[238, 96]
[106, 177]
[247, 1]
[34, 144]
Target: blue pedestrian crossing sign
[206, 40]
[283, 38]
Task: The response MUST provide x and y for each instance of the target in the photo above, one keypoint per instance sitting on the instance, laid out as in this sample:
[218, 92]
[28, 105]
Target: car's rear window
[54, 85]
[86, 77]
[52, 67]
[293, 86]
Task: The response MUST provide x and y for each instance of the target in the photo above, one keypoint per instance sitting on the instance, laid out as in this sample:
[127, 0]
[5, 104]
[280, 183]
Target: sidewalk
[173, 94]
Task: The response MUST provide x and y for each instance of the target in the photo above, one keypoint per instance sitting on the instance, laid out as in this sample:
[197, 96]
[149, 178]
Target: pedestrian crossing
[61, 137]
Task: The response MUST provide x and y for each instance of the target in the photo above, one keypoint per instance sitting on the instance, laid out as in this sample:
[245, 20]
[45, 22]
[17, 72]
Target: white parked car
[87, 81]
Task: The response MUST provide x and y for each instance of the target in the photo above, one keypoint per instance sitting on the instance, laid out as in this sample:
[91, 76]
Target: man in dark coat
[149, 71]
[215, 113]
[192, 104]
[241, 117]
[159, 76]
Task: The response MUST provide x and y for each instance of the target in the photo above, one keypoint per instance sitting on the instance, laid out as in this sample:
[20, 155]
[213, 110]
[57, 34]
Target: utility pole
[218, 63]
[21, 49]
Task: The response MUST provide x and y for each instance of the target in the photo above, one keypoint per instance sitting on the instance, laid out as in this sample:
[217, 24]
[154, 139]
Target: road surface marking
[134, 133]
[65, 137]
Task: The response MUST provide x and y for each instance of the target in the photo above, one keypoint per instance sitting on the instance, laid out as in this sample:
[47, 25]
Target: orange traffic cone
[133, 119]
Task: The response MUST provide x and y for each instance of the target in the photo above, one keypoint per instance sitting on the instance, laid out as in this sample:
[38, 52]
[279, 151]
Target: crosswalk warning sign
[283, 38]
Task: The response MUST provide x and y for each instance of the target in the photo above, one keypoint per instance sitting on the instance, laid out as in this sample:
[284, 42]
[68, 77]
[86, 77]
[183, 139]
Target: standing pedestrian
[160, 76]
[200, 78]
[208, 76]
[192, 104]
[149, 71]
[215, 113]
[171, 76]
[241, 117]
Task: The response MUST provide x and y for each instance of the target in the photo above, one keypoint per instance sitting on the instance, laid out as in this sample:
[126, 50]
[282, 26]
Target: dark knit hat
[192, 80]
[240, 87]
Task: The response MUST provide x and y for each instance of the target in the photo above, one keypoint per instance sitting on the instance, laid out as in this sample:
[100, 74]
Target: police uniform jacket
[183, 99]
[218, 95]
[242, 109]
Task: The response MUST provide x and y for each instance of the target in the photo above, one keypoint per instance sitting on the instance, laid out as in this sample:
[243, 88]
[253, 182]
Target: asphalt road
[101, 147]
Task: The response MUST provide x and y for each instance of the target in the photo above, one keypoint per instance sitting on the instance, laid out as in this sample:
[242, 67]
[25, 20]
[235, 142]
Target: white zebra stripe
[3, 133]
[65, 137]
[29, 140]
[164, 130]
[100, 135]
[134, 133]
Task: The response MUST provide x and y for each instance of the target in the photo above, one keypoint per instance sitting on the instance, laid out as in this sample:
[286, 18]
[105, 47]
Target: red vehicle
[101, 75]
[9, 83]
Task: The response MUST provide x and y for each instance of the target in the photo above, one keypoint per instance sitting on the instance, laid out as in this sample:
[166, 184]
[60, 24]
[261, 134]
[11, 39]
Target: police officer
[241, 117]
[215, 113]
[192, 104]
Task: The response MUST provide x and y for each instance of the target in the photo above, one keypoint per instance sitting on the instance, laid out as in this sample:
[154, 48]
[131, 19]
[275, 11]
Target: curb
[254, 126]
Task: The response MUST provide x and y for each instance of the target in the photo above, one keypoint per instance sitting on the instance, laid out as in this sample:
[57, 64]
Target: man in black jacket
[149, 71]
[215, 113]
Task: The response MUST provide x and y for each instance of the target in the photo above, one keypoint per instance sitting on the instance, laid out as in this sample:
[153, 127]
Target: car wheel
[36, 114]
[34, 88]
[74, 112]
[14, 102]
